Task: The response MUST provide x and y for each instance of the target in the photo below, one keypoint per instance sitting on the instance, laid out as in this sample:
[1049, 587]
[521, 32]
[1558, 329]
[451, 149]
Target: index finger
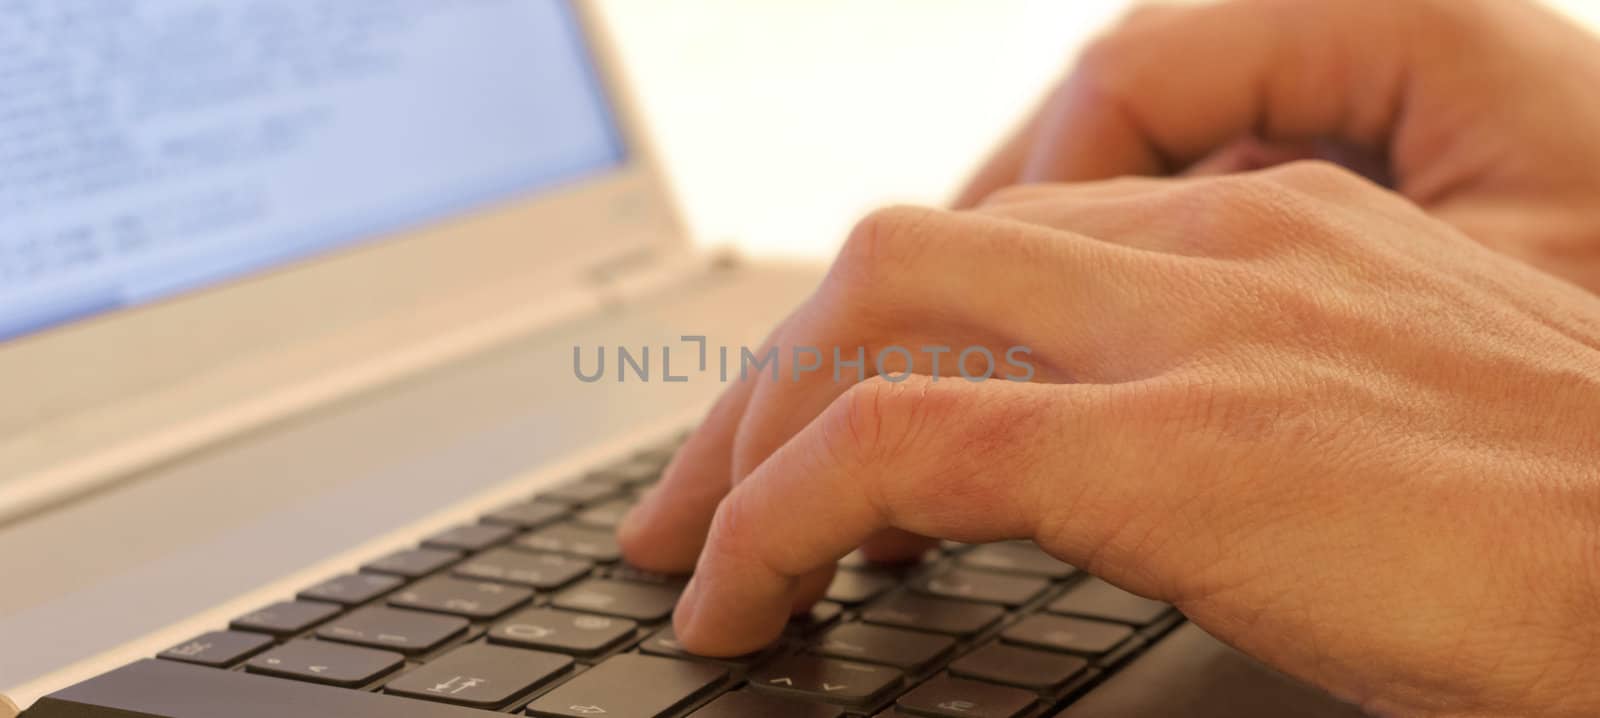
[1176, 84]
[952, 459]
[1173, 84]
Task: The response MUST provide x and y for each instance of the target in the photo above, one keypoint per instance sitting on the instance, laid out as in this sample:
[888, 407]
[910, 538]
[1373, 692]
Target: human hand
[1332, 430]
[1484, 112]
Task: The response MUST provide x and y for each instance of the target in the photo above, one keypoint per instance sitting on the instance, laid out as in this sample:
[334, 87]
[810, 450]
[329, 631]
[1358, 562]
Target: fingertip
[704, 627]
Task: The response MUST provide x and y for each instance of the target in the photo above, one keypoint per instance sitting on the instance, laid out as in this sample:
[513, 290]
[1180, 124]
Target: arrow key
[814, 678]
[324, 662]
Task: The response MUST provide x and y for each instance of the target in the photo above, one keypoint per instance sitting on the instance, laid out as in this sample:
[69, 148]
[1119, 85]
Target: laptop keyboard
[530, 611]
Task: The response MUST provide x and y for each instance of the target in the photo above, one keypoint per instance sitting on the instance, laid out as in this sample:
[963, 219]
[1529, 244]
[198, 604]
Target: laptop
[292, 301]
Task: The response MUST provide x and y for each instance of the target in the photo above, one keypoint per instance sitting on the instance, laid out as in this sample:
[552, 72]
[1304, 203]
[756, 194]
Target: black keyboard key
[352, 589]
[1097, 599]
[945, 697]
[578, 492]
[747, 704]
[908, 650]
[480, 675]
[285, 618]
[1016, 557]
[1074, 635]
[152, 688]
[217, 649]
[470, 537]
[571, 539]
[957, 618]
[607, 515]
[324, 662]
[629, 686]
[665, 643]
[638, 601]
[393, 629]
[575, 633]
[633, 472]
[982, 586]
[1020, 667]
[477, 600]
[821, 615]
[544, 571]
[527, 515]
[413, 563]
[857, 685]
[854, 587]
[638, 575]
[661, 455]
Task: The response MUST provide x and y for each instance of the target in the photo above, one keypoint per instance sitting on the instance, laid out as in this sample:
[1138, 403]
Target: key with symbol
[630, 686]
[578, 492]
[908, 650]
[575, 633]
[544, 571]
[469, 537]
[853, 587]
[1097, 599]
[393, 629]
[607, 515]
[924, 613]
[217, 649]
[285, 618]
[847, 683]
[665, 643]
[477, 600]
[352, 589]
[1021, 667]
[413, 563]
[958, 698]
[481, 675]
[527, 515]
[638, 601]
[982, 586]
[323, 662]
[574, 540]
[1074, 635]
[1022, 557]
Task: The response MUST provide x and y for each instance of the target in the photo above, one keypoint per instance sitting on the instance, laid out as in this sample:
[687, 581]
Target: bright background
[782, 121]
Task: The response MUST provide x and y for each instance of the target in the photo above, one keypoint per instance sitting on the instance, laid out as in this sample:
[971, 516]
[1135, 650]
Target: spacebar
[179, 690]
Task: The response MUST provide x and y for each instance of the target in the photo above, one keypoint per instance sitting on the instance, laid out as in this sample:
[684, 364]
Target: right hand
[1486, 113]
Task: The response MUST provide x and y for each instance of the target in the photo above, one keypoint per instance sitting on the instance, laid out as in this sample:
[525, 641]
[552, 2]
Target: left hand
[1334, 431]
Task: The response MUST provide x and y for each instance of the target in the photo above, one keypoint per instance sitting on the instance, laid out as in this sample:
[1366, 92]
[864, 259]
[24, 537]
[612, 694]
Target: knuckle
[1014, 194]
[1256, 214]
[875, 420]
[882, 243]
[1315, 176]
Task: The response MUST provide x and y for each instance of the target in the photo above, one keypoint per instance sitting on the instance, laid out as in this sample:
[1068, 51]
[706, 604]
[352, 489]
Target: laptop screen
[152, 147]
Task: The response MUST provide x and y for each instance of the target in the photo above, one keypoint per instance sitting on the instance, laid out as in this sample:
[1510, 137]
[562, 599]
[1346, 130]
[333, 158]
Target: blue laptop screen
[151, 147]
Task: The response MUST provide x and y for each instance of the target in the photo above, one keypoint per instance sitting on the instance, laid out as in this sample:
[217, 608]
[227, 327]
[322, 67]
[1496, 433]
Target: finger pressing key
[947, 459]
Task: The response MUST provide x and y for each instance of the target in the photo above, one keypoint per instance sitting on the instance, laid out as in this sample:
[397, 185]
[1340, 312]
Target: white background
[781, 121]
